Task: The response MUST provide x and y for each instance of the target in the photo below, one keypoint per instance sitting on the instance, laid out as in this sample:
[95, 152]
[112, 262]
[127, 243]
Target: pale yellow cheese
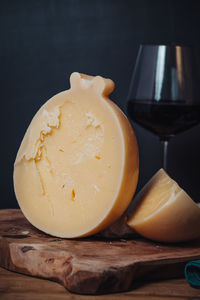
[165, 212]
[77, 167]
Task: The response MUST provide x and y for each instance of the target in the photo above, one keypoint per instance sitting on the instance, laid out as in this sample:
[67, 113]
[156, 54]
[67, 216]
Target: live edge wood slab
[90, 265]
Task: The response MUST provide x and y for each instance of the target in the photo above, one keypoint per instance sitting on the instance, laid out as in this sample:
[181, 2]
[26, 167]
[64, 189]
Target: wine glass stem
[164, 147]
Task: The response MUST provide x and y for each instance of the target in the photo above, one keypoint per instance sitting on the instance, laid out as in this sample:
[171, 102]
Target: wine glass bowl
[164, 93]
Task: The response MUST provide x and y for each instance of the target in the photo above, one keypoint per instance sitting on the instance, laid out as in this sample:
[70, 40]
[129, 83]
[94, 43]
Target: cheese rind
[164, 212]
[77, 167]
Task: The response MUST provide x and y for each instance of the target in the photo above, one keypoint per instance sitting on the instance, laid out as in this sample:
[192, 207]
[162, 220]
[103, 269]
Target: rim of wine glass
[171, 45]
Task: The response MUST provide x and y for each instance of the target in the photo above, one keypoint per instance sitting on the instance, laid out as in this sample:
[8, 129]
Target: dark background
[43, 41]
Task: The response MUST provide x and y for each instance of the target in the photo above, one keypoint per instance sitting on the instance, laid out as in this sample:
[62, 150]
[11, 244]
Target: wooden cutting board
[89, 265]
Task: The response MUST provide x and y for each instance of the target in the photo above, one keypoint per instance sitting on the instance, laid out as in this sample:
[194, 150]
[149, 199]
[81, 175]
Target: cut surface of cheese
[77, 167]
[165, 212]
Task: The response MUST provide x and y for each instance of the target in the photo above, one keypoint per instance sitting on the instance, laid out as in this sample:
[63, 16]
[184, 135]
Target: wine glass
[164, 93]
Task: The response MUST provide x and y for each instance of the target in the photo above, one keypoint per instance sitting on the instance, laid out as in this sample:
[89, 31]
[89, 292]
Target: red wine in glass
[164, 119]
[164, 95]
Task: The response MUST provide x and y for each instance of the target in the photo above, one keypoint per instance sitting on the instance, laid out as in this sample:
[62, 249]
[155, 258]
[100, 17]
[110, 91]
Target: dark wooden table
[14, 286]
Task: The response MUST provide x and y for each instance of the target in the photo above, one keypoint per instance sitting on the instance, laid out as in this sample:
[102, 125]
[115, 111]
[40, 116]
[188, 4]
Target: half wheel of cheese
[77, 167]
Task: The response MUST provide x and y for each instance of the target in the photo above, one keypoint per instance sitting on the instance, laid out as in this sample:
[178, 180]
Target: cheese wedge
[164, 212]
[77, 167]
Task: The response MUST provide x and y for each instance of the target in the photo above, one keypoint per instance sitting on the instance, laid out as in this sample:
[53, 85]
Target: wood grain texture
[17, 286]
[90, 265]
